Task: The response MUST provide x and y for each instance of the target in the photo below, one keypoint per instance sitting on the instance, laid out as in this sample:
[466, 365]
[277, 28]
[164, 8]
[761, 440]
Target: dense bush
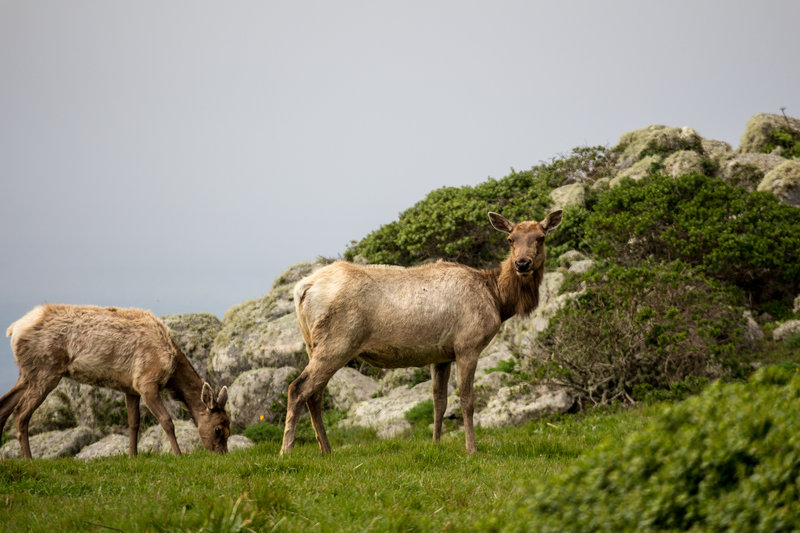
[646, 326]
[749, 239]
[451, 223]
[726, 460]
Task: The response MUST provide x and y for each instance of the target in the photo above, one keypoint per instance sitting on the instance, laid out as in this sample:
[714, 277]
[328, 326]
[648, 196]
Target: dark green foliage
[421, 414]
[726, 460]
[451, 223]
[748, 239]
[648, 326]
[788, 139]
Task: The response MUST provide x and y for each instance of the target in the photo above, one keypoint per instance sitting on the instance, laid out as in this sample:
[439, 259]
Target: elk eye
[511, 240]
[540, 240]
[218, 431]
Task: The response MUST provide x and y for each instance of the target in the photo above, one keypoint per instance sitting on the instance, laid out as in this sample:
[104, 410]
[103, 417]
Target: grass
[366, 484]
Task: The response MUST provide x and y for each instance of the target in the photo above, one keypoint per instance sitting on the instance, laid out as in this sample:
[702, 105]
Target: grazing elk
[125, 349]
[400, 317]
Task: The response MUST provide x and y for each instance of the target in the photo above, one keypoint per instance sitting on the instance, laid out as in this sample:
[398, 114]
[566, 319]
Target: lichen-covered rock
[748, 170]
[263, 332]
[52, 444]
[637, 170]
[114, 444]
[784, 182]
[757, 138]
[581, 267]
[685, 162]
[402, 377]
[194, 333]
[655, 140]
[386, 414]
[569, 257]
[239, 442]
[257, 393]
[518, 404]
[55, 413]
[716, 151]
[154, 439]
[349, 386]
[567, 195]
[786, 330]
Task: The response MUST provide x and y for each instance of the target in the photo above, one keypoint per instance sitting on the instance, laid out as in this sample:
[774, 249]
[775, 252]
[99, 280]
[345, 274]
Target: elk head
[526, 240]
[213, 422]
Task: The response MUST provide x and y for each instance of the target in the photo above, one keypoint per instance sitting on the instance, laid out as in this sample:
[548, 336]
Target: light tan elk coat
[401, 317]
[125, 349]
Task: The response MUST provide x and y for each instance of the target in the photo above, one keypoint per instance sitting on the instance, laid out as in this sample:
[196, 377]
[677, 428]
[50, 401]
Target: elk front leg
[466, 376]
[152, 399]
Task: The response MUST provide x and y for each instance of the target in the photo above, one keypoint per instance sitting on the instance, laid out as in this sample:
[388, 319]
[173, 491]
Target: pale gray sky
[178, 156]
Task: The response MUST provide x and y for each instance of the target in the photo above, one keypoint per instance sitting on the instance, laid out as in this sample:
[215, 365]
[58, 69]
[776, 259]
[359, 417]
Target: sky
[178, 156]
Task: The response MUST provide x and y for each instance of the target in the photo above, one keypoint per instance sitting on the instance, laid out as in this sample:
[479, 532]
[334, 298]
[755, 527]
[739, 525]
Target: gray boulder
[52, 444]
[567, 195]
[257, 393]
[748, 170]
[386, 415]
[518, 404]
[114, 444]
[655, 140]
[239, 442]
[685, 162]
[348, 386]
[784, 182]
[194, 333]
[786, 330]
[757, 138]
[154, 439]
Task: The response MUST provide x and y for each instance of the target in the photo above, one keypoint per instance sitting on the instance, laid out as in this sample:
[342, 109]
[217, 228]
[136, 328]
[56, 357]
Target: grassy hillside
[365, 485]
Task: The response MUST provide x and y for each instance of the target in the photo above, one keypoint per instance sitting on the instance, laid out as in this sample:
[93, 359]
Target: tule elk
[125, 349]
[393, 317]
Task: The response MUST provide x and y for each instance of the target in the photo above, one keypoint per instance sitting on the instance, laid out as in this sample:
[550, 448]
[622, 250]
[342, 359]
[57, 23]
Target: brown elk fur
[125, 349]
[391, 317]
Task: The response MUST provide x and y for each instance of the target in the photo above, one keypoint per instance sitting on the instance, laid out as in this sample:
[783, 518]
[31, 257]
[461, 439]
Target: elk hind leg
[31, 399]
[132, 406]
[441, 375]
[9, 401]
[314, 404]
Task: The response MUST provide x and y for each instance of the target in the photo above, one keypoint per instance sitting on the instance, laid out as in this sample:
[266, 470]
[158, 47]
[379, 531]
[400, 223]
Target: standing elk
[125, 349]
[401, 317]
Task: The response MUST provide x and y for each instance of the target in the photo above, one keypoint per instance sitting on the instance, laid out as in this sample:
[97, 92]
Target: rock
[257, 393]
[154, 439]
[786, 330]
[262, 343]
[716, 151]
[567, 195]
[52, 444]
[685, 162]
[114, 444]
[784, 182]
[239, 442]
[636, 171]
[756, 137]
[655, 140]
[407, 377]
[568, 258]
[263, 332]
[796, 307]
[349, 386]
[753, 332]
[581, 267]
[194, 333]
[386, 414]
[520, 403]
[748, 170]
[54, 414]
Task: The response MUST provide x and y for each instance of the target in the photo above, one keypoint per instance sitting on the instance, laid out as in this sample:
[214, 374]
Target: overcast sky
[178, 156]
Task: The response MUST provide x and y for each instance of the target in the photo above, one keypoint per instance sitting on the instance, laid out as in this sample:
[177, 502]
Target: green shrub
[749, 239]
[451, 223]
[726, 460]
[647, 326]
[787, 139]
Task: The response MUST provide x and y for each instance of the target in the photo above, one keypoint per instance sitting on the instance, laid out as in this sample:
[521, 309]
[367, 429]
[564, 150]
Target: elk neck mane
[515, 294]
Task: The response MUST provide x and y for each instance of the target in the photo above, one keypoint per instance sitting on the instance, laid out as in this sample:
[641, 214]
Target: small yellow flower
[262, 418]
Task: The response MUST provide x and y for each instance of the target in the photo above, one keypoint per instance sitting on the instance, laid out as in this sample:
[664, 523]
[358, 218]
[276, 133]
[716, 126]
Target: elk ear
[500, 223]
[551, 221]
[207, 396]
[222, 399]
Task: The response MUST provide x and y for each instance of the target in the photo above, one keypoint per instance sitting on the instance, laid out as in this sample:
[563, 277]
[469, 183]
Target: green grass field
[405, 484]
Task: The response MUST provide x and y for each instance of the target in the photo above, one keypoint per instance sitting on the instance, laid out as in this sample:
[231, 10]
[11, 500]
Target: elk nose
[523, 265]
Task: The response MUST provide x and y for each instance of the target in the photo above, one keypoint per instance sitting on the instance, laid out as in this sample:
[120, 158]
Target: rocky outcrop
[52, 444]
[786, 330]
[748, 170]
[386, 414]
[348, 386]
[568, 195]
[109, 445]
[784, 182]
[521, 403]
[194, 333]
[757, 136]
[155, 440]
[255, 393]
